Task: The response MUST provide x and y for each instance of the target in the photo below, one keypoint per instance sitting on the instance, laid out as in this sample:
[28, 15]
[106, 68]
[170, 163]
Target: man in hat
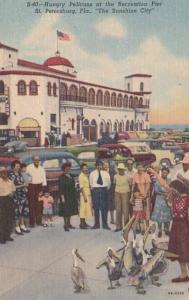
[100, 183]
[122, 196]
[183, 174]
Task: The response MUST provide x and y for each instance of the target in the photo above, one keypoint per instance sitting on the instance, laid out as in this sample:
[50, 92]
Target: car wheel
[165, 162]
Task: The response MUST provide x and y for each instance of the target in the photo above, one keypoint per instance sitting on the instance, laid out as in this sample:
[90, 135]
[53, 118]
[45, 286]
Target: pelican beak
[79, 256]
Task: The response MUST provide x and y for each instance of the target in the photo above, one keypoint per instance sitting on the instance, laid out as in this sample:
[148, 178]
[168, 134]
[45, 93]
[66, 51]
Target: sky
[106, 47]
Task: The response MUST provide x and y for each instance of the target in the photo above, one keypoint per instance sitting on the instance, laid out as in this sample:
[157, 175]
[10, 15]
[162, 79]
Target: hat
[121, 166]
[98, 162]
[185, 160]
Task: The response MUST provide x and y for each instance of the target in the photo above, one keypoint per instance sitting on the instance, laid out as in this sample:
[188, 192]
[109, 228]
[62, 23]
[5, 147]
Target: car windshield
[73, 162]
[139, 149]
[51, 164]
[86, 155]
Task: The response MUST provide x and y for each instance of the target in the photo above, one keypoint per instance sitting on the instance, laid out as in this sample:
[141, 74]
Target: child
[139, 210]
[47, 207]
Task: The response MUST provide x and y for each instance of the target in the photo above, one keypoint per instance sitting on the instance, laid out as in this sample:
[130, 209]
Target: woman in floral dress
[162, 212]
[20, 198]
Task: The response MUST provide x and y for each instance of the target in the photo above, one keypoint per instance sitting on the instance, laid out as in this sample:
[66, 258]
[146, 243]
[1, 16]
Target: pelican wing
[78, 277]
[160, 245]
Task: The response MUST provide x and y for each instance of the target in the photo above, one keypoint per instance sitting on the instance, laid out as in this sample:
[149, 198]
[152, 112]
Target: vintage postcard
[94, 149]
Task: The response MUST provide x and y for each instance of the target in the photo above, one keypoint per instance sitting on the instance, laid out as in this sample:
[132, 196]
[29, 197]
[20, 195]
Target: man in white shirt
[38, 180]
[100, 183]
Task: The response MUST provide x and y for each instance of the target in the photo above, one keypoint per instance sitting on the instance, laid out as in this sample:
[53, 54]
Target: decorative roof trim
[73, 81]
[8, 48]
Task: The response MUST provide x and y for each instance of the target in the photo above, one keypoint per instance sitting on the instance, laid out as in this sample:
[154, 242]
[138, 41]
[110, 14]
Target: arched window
[73, 93]
[128, 86]
[86, 122]
[119, 100]
[83, 94]
[131, 102]
[127, 126]
[142, 87]
[73, 124]
[107, 99]
[102, 127]
[49, 89]
[125, 101]
[63, 91]
[91, 97]
[108, 126]
[54, 89]
[33, 87]
[99, 98]
[93, 122]
[136, 102]
[113, 100]
[21, 87]
[140, 102]
[132, 125]
[2, 87]
[121, 126]
[116, 126]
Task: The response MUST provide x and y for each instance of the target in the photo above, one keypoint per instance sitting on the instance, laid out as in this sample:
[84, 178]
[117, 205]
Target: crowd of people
[148, 194]
[53, 139]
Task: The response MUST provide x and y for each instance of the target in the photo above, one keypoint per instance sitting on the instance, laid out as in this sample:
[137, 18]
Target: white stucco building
[38, 98]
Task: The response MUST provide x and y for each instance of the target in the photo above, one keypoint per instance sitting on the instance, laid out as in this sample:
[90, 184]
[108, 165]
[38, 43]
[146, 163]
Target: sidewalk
[37, 266]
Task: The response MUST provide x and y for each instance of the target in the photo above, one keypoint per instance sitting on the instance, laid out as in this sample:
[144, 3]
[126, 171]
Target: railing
[142, 106]
[73, 98]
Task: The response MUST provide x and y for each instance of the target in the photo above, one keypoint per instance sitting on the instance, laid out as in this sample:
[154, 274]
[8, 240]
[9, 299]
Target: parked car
[6, 160]
[52, 163]
[163, 157]
[16, 146]
[142, 155]
[108, 138]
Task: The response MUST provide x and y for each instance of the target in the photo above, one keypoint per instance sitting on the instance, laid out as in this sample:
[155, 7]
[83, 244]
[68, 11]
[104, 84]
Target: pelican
[114, 265]
[77, 274]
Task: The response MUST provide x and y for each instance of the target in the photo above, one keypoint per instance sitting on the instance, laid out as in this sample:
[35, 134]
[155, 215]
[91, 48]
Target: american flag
[63, 36]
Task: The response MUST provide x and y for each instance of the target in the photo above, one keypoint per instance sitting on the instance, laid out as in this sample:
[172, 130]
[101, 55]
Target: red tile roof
[138, 75]
[33, 65]
[57, 61]
[8, 48]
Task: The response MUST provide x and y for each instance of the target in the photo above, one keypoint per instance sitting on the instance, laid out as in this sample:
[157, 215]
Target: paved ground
[37, 266]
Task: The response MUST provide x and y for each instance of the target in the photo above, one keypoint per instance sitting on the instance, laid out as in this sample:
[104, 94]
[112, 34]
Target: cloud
[170, 73]
[110, 26]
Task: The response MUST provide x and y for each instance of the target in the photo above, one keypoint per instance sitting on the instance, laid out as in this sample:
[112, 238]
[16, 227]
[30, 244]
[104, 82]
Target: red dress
[179, 236]
[138, 209]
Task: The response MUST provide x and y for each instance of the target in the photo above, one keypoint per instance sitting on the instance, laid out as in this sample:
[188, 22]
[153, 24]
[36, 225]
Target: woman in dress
[68, 197]
[7, 189]
[20, 198]
[85, 210]
[162, 212]
[178, 199]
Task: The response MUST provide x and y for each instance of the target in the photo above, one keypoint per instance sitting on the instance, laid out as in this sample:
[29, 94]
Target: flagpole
[57, 42]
